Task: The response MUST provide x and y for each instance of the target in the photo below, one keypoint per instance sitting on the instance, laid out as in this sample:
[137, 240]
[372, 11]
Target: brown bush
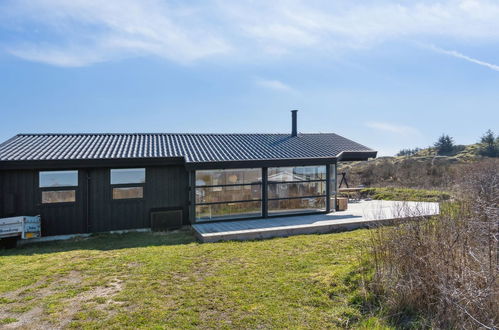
[444, 270]
[418, 172]
[425, 173]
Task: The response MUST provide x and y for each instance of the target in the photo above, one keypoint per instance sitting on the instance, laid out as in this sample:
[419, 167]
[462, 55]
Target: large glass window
[238, 193]
[229, 193]
[50, 179]
[296, 189]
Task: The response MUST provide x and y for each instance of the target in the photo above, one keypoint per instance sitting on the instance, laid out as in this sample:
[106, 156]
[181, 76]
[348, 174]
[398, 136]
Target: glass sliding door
[297, 189]
[228, 194]
[239, 193]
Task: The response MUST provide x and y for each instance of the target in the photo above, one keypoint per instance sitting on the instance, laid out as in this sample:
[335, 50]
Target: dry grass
[430, 172]
[443, 272]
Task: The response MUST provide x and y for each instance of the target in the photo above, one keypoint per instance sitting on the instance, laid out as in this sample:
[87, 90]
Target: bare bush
[444, 269]
[414, 173]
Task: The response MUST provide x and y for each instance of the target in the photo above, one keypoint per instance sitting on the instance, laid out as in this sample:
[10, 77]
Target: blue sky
[387, 74]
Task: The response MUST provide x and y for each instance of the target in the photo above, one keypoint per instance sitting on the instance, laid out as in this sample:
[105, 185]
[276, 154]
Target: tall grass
[443, 271]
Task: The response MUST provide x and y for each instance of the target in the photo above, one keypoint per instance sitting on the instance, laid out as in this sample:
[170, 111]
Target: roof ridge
[122, 134]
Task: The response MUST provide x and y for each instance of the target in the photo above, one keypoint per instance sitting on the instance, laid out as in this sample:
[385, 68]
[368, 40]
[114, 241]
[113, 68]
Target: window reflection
[228, 177]
[287, 190]
[237, 193]
[58, 196]
[299, 173]
[231, 193]
[296, 189]
[332, 171]
[228, 210]
[128, 175]
[128, 192]
[228, 193]
[58, 179]
[297, 205]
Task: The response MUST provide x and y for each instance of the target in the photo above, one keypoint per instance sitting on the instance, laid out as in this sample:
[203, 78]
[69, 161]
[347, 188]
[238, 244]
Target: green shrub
[405, 194]
[444, 145]
[488, 145]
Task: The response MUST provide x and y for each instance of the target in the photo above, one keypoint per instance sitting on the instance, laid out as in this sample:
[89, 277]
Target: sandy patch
[37, 318]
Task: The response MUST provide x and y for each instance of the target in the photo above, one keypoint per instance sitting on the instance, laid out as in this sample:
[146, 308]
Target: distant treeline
[444, 146]
[409, 152]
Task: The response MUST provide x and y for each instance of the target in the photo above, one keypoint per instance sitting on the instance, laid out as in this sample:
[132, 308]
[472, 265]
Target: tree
[408, 152]
[488, 145]
[444, 145]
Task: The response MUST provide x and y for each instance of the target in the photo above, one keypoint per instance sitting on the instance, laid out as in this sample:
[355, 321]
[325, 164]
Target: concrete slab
[359, 215]
[67, 237]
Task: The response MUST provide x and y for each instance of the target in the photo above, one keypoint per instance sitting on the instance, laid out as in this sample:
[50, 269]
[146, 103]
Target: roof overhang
[260, 163]
[88, 163]
[160, 161]
[356, 155]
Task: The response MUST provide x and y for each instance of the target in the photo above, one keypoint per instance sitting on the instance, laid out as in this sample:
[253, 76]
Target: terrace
[359, 215]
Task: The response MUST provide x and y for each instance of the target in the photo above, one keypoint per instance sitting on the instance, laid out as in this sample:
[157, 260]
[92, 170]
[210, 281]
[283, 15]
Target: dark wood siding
[18, 189]
[21, 187]
[165, 188]
[63, 218]
[21, 196]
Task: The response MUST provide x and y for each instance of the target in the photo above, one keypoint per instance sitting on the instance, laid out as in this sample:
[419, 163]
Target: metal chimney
[294, 129]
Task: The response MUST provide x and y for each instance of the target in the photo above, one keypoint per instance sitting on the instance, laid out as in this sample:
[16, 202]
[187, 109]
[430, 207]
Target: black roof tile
[194, 148]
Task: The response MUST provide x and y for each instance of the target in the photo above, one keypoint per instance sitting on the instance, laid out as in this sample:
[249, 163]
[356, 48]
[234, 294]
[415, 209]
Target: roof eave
[88, 163]
[161, 161]
[349, 156]
[260, 163]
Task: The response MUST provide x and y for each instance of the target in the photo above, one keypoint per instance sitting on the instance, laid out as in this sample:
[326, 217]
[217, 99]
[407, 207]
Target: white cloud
[465, 57]
[392, 128]
[105, 30]
[338, 26]
[274, 85]
[48, 30]
[68, 57]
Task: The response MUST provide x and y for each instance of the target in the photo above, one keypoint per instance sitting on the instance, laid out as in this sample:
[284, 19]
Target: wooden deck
[359, 215]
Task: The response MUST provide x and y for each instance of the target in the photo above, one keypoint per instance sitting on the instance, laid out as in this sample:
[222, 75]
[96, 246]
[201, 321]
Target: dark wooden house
[81, 183]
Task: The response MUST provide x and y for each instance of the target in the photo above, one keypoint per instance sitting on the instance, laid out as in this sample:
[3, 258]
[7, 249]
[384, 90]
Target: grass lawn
[170, 281]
